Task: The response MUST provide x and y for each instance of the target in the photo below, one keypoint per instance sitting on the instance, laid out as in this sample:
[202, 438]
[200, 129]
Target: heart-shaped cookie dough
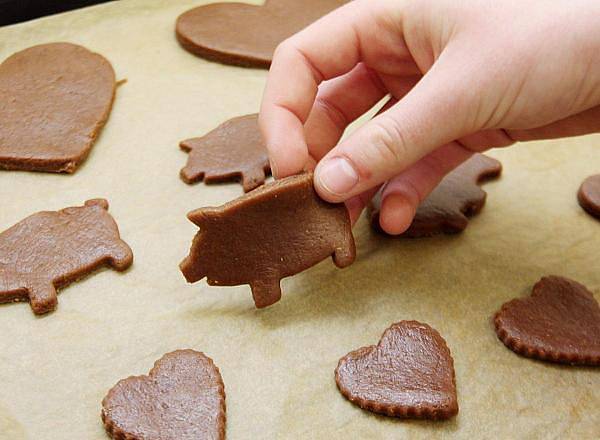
[183, 398]
[234, 150]
[243, 34]
[559, 322]
[55, 98]
[409, 374]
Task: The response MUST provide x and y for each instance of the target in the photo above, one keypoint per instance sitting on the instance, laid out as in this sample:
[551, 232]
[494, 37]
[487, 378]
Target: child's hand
[487, 73]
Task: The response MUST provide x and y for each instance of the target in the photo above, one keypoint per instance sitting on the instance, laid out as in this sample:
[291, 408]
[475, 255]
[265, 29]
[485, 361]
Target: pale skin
[463, 76]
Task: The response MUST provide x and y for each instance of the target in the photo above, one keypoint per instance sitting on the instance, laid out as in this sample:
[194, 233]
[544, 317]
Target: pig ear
[200, 217]
[103, 203]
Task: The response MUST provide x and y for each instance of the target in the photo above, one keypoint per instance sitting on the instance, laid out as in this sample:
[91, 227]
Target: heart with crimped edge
[243, 34]
[559, 322]
[182, 398]
[408, 374]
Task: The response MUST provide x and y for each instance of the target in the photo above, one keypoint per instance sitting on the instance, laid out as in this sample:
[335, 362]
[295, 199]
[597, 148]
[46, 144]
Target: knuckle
[332, 112]
[389, 140]
[283, 48]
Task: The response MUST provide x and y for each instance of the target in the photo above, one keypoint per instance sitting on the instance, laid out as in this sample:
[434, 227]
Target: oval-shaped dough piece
[54, 100]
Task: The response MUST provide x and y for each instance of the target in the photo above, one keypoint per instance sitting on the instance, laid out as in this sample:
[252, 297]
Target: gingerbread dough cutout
[589, 195]
[273, 232]
[55, 100]
[243, 34]
[51, 249]
[409, 374]
[559, 322]
[449, 206]
[182, 398]
[233, 151]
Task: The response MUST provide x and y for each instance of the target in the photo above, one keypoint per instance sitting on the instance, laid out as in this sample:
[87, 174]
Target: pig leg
[345, 254]
[120, 256]
[42, 297]
[265, 292]
[253, 178]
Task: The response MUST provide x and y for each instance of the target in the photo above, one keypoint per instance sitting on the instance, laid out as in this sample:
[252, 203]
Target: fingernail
[337, 176]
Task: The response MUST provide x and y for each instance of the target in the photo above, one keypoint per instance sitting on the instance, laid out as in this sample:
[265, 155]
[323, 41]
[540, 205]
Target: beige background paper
[278, 363]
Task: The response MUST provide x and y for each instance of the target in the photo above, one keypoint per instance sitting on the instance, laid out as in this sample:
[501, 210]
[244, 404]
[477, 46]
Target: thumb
[435, 112]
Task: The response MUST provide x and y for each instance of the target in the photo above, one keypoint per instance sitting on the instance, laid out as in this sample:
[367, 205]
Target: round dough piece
[589, 195]
[243, 34]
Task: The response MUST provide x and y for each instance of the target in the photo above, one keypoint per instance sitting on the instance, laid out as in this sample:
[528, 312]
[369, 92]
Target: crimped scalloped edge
[403, 411]
[534, 352]
[117, 433]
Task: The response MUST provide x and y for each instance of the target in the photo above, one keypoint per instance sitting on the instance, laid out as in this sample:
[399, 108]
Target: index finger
[328, 48]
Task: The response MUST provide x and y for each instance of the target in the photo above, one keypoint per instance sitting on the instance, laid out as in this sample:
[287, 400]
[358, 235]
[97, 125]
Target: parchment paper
[278, 363]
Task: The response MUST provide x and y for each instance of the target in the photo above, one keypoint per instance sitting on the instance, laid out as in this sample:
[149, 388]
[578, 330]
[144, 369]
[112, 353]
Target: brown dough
[589, 195]
[559, 322]
[55, 100]
[449, 206]
[51, 249]
[182, 398]
[409, 374]
[234, 150]
[275, 231]
[246, 35]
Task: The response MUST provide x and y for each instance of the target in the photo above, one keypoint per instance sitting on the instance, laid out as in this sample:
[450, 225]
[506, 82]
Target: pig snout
[190, 271]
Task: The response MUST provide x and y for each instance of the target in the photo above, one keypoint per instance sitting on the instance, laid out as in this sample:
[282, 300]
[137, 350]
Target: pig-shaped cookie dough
[49, 250]
[449, 206]
[273, 232]
[234, 150]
